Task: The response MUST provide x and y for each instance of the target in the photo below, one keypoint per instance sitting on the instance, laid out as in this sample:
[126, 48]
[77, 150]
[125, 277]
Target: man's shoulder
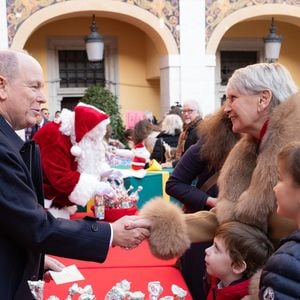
[47, 133]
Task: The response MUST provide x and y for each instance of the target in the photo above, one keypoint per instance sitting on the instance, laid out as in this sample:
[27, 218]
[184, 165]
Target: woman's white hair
[264, 76]
[171, 124]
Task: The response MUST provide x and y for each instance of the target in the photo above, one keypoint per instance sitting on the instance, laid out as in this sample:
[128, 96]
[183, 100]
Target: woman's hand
[212, 202]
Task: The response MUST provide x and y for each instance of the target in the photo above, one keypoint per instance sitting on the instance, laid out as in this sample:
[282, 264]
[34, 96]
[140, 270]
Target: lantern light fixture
[272, 44]
[94, 44]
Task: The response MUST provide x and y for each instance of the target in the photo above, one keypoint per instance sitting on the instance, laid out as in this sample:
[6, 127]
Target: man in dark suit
[40, 122]
[27, 232]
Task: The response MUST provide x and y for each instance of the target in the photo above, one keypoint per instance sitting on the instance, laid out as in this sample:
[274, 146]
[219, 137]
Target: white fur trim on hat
[84, 190]
[67, 122]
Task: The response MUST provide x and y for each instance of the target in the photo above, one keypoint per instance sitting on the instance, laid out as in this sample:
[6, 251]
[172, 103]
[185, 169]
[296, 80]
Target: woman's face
[287, 193]
[242, 109]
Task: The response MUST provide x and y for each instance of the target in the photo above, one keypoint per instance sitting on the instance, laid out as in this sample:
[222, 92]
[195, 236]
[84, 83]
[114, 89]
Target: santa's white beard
[92, 159]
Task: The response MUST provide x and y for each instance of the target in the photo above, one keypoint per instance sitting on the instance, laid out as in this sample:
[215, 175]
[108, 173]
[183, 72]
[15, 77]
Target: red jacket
[232, 292]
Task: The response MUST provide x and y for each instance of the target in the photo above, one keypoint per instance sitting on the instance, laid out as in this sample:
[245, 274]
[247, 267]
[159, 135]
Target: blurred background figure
[128, 134]
[57, 116]
[139, 154]
[176, 110]
[45, 114]
[110, 141]
[148, 115]
[167, 139]
[42, 120]
[191, 116]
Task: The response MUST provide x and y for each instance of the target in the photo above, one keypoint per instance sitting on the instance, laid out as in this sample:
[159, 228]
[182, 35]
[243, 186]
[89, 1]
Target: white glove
[104, 188]
[112, 174]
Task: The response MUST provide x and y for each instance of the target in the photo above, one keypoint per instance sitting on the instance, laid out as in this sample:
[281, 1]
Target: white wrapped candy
[124, 285]
[86, 297]
[115, 293]
[137, 296]
[155, 290]
[37, 289]
[178, 292]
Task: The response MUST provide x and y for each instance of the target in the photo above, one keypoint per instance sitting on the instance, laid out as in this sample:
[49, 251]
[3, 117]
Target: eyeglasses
[187, 111]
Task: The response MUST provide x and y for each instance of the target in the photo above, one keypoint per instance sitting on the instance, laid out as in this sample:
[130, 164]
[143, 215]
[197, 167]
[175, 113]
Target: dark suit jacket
[27, 231]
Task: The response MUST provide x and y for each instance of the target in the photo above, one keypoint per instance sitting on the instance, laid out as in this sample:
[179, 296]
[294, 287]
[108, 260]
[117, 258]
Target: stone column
[169, 82]
[3, 26]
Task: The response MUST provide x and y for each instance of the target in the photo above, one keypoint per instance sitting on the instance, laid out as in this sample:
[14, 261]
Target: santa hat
[86, 120]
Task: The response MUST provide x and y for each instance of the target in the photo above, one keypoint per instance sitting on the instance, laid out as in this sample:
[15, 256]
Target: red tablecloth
[138, 266]
[103, 279]
[119, 257]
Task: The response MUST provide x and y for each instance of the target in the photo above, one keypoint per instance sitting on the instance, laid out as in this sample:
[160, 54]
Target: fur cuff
[84, 190]
[168, 236]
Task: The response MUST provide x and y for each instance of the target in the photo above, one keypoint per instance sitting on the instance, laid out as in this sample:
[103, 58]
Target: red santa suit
[73, 156]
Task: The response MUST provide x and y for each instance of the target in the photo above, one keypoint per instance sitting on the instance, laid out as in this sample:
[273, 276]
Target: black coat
[281, 274]
[27, 231]
[191, 169]
[158, 152]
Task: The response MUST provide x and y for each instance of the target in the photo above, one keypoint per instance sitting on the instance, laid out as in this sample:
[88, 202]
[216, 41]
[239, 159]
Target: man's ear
[239, 268]
[3, 84]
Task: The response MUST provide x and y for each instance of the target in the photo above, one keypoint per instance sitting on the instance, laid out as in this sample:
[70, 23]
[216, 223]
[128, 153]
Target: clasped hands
[130, 231]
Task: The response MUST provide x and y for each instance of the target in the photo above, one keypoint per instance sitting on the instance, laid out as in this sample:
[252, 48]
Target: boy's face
[217, 259]
[287, 194]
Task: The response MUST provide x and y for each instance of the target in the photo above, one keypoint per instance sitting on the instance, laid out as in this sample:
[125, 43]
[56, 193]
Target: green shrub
[103, 99]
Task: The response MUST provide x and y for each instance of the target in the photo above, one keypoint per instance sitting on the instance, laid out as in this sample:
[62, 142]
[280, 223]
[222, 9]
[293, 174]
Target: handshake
[130, 231]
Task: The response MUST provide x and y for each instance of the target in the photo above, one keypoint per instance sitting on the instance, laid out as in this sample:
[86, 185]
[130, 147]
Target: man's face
[23, 94]
[45, 114]
[189, 114]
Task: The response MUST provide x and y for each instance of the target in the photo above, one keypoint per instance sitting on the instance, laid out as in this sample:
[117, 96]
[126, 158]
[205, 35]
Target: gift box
[113, 214]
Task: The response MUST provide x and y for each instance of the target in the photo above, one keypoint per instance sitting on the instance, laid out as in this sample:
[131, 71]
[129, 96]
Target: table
[102, 280]
[138, 266]
[138, 257]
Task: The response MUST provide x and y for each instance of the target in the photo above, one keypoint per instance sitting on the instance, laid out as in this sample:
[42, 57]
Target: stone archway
[139, 17]
[246, 14]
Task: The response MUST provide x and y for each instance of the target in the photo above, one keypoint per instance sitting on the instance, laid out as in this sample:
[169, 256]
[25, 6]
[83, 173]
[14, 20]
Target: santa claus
[73, 158]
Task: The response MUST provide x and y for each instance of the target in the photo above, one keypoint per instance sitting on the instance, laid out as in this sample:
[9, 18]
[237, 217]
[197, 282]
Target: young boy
[238, 251]
[280, 277]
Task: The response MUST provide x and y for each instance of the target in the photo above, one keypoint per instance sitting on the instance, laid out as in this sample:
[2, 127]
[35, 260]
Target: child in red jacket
[238, 251]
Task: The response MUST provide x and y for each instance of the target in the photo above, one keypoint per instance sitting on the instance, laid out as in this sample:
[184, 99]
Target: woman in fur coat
[258, 109]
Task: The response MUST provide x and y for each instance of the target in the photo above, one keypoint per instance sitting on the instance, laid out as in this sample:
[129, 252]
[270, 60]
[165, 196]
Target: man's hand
[130, 231]
[53, 265]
